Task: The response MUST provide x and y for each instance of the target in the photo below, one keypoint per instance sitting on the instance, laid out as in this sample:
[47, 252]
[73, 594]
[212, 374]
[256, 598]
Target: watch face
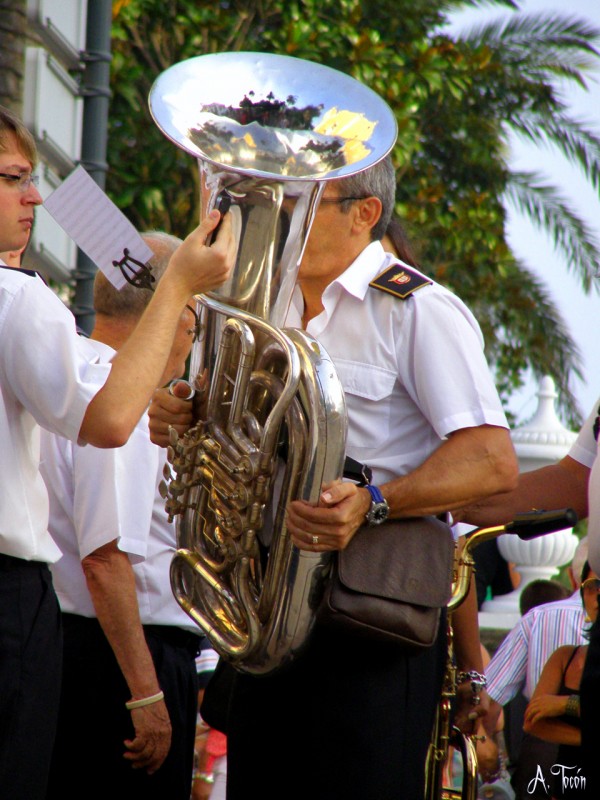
[378, 513]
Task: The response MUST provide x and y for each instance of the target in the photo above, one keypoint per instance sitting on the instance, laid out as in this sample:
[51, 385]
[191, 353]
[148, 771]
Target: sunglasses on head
[591, 585]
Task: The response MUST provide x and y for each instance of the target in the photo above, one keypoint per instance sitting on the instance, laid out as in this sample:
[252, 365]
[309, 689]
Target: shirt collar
[356, 278]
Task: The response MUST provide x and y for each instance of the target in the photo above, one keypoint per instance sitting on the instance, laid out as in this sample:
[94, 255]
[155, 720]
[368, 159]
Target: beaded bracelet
[206, 777]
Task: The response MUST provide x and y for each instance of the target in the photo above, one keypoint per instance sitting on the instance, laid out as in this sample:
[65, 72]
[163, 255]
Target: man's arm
[467, 650]
[138, 367]
[471, 463]
[561, 485]
[111, 583]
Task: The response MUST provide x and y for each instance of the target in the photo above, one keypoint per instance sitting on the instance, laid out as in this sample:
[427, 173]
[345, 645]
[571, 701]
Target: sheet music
[95, 224]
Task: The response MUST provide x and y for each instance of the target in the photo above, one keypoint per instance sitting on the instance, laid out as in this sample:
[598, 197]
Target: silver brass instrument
[267, 131]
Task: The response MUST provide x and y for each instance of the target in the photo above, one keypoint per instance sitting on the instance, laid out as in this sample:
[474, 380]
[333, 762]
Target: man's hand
[169, 410]
[468, 716]
[340, 513]
[152, 737]
[198, 266]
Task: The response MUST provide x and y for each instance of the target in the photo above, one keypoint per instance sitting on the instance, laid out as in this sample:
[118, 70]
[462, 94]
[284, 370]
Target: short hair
[541, 591]
[376, 181]
[10, 123]
[131, 301]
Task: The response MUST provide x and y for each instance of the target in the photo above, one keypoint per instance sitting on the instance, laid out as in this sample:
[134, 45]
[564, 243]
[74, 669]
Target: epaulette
[400, 281]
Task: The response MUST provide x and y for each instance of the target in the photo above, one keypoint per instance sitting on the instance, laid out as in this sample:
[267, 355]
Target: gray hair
[376, 181]
[131, 301]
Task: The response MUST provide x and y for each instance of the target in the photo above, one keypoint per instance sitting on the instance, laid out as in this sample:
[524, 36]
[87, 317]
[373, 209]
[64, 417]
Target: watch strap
[375, 493]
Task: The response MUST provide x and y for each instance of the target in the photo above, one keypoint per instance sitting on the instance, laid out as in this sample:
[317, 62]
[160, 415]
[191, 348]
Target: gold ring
[315, 540]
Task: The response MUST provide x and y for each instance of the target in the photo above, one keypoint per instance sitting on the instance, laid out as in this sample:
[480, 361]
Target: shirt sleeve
[47, 367]
[113, 494]
[585, 448]
[443, 366]
[507, 670]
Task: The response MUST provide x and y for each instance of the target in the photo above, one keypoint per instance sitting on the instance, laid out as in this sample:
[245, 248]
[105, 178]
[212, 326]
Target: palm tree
[518, 66]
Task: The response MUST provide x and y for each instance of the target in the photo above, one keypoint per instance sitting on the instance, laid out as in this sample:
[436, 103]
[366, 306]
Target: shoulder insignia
[400, 281]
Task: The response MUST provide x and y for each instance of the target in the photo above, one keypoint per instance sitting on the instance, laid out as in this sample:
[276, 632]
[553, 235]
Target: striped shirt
[518, 663]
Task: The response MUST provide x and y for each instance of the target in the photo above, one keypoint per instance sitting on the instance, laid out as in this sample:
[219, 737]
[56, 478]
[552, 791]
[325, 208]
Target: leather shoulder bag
[391, 582]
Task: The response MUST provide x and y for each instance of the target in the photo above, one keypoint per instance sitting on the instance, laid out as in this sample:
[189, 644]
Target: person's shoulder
[562, 654]
[10, 276]
[400, 280]
[571, 604]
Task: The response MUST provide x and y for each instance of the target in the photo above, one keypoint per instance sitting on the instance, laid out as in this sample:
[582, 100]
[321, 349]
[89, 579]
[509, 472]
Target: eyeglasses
[340, 199]
[23, 180]
[591, 585]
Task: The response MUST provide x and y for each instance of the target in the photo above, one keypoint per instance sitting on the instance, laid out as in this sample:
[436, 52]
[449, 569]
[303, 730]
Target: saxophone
[273, 428]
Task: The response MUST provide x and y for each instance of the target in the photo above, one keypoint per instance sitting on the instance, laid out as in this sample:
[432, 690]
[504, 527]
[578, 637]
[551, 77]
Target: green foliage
[455, 101]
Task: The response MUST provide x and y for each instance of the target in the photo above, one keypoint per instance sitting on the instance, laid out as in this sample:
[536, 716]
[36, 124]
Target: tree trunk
[13, 25]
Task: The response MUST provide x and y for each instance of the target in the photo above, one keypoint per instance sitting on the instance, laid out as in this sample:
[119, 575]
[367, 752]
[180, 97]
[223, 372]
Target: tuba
[267, 131]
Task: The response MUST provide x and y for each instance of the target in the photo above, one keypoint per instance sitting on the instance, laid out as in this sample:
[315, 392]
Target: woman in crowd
[553, 713]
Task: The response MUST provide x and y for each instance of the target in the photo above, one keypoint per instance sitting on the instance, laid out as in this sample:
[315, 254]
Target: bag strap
[357, 472]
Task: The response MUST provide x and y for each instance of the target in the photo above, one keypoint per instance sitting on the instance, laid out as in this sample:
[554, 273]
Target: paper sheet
[96, 225]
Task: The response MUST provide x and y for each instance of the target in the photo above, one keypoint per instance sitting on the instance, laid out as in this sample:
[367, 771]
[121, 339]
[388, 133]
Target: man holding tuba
[348, 720]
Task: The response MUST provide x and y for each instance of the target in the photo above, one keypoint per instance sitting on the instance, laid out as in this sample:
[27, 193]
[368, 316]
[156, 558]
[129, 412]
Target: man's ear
[367, 213]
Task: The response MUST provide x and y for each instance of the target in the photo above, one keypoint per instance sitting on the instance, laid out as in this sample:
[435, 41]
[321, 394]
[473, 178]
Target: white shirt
[98, 495]
[46, 378]
[585, 451]
[413, 371]
[518, 662]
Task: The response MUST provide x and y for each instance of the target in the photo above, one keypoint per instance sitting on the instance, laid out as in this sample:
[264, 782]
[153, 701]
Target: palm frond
[524, 318]
[518, 36]
[460, 5]
[578, 143]
[549, 211]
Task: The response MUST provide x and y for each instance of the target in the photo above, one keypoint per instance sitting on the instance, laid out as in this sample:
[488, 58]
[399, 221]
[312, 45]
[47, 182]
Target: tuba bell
[267, 131]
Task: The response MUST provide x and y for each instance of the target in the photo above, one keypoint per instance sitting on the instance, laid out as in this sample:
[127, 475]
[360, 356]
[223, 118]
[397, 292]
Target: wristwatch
[379, 510]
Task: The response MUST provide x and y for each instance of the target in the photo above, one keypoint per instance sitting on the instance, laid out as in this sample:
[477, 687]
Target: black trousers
[93, 721]
[349, 720]
[30, 671]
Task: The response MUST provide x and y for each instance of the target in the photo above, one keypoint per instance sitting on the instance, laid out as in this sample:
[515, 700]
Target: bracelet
[573, 707]
[145, 701]
[206, 777]
[478, 681]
